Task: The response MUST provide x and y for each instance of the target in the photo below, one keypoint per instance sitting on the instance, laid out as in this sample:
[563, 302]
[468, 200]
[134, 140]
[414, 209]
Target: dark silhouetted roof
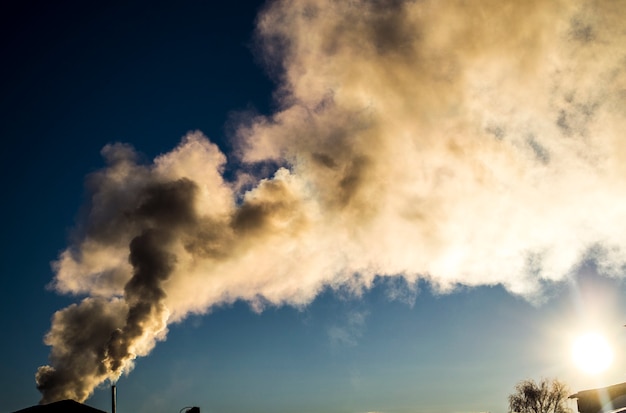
[63, 406]
[594, 400]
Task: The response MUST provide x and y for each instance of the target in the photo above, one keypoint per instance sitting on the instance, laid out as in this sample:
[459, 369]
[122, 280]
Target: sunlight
[592, 353]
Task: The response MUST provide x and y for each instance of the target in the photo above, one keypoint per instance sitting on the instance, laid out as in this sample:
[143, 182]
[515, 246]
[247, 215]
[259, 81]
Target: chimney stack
[113, 398]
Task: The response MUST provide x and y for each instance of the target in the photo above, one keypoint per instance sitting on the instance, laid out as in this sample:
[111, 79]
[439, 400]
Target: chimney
[113, 398]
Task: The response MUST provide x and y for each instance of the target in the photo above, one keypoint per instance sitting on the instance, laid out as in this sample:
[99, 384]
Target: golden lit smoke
[464, 143]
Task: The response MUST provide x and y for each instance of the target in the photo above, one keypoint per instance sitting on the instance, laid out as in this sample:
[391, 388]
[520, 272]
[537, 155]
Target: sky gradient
[310, 206]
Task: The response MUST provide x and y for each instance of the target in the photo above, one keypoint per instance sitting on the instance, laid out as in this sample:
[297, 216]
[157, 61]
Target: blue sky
[508, 264]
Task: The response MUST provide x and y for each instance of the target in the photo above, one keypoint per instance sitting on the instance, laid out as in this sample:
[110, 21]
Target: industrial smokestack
[113, 398]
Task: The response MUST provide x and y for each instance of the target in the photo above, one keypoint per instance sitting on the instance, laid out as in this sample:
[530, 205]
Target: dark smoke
[111, 340]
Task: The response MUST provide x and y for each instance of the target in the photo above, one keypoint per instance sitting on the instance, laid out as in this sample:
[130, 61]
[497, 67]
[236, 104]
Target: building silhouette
[611, 399]
[63, 406]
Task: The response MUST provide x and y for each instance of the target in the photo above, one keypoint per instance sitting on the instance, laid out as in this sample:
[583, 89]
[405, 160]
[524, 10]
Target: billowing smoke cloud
[464, 143]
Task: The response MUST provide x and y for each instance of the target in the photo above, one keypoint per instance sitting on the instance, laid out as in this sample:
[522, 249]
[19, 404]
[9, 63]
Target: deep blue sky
[77, 76]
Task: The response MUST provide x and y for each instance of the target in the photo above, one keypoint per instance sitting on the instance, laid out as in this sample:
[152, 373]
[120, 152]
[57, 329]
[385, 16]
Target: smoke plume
[462, 143]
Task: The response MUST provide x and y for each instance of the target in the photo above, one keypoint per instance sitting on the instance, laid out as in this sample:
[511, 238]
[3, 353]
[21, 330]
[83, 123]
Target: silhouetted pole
[113, 398]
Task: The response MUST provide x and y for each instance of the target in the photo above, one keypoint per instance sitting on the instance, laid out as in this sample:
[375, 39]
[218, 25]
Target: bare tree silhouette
[547, 396]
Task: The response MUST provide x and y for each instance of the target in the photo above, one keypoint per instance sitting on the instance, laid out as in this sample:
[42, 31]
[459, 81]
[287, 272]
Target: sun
[592, 353]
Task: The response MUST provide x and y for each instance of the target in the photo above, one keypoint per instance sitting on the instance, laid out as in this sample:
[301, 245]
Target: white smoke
[460, 143]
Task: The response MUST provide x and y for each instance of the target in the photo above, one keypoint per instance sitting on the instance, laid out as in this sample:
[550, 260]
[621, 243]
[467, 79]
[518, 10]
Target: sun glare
[592, 353]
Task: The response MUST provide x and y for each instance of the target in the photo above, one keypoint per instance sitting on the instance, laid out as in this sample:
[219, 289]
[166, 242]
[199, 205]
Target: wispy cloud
[349, 331]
